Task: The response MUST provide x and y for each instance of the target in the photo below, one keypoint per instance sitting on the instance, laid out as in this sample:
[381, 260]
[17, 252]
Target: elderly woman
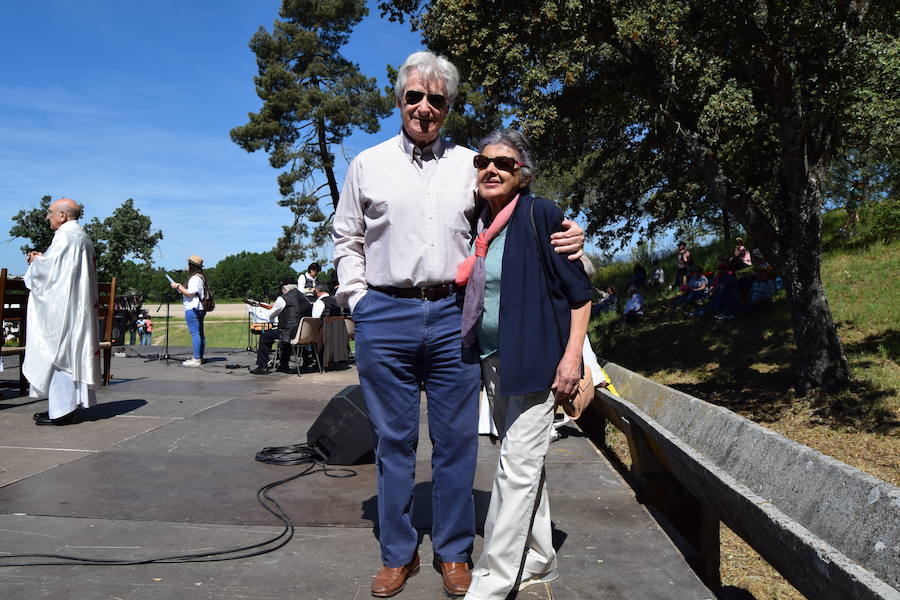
[525, 317]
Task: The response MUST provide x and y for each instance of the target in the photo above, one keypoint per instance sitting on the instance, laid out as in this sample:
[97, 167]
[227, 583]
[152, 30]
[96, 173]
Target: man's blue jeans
[194, 319]
[404, 346]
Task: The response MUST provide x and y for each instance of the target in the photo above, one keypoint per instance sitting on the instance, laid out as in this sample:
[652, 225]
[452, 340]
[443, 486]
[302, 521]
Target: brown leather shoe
[456, 577]
[390, 580]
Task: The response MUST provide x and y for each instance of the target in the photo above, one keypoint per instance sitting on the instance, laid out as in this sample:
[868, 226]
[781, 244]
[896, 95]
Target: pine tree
[313, 98]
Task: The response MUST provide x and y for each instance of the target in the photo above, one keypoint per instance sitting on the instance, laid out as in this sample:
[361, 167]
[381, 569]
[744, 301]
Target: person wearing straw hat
[192, 298]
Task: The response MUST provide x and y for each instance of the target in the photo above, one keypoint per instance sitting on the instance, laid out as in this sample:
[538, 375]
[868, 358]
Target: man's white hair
[429, 65]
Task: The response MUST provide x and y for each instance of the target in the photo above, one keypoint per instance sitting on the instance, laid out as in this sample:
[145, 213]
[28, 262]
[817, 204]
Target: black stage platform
[165, 464]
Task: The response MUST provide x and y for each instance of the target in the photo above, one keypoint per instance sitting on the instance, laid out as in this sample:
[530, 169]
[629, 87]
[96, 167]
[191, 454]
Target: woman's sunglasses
[504, 163]
[436, 100]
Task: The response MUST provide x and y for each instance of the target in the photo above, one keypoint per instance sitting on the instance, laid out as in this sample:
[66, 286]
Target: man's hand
[570, 241]
[32, 255]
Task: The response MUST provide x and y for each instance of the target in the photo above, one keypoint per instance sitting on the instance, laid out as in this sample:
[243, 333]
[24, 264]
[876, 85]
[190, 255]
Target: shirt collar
[437, 147]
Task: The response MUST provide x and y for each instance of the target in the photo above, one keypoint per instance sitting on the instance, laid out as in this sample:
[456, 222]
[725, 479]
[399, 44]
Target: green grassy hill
[747, 364]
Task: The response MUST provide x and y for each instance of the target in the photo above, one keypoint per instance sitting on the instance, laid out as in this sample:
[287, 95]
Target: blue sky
[103, 101]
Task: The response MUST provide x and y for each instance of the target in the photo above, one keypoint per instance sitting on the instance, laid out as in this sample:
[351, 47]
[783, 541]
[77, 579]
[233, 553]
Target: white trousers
[65, 394]
[511, 536]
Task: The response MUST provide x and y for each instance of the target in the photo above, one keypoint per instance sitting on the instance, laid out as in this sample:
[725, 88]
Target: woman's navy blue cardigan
[530, 343]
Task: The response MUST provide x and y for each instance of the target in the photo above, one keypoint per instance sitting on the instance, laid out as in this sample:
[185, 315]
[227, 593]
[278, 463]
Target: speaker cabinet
[342, 432]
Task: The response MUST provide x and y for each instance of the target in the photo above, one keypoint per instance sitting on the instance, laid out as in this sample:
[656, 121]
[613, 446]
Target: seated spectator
[659, 276]
[761, 293]
[724, 293]
[634, 308]
[607, 301]
[697, 288]
[638, 277]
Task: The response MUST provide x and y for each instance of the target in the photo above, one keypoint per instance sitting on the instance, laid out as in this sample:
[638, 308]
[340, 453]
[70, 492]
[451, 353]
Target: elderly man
[62, 354]
[402, 226]
[289, 308]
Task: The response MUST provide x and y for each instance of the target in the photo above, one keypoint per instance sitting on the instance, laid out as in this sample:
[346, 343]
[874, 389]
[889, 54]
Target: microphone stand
[168, 301]
[249, 332]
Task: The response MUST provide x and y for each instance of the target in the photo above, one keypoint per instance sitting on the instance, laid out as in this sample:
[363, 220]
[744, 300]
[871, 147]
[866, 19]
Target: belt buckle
[423, 293]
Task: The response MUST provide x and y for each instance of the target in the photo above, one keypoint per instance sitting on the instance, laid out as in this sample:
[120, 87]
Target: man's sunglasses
[504, 163]
[436, 100]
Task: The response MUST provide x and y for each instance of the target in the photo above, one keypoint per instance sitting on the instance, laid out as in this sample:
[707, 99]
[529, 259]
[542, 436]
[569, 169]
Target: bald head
[64, 209]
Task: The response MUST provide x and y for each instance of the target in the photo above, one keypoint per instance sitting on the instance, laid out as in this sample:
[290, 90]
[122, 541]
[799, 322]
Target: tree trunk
[820, 355]
[726, 224]
[328, 165]
[821, 358]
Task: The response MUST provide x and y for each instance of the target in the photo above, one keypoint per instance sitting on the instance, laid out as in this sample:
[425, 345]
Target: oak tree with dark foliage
[661, 108]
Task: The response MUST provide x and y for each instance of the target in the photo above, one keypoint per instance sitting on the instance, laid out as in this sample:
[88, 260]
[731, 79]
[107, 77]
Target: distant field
[176, 311]
[219, 334]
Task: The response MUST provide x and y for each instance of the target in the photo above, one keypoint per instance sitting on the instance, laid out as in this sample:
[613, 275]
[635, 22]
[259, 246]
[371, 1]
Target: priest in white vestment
[62, 355]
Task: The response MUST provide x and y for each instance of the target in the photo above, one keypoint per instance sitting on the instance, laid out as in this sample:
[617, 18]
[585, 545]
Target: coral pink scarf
[471, 273]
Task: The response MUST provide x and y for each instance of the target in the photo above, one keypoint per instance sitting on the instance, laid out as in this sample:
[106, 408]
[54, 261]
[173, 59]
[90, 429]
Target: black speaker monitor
[342, 433]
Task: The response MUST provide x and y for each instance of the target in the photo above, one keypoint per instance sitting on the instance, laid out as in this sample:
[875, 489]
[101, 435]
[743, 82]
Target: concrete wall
[818, 497]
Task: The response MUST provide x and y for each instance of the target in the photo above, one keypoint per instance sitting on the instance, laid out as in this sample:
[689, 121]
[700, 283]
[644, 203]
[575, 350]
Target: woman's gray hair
[519, 143]
[429, 65]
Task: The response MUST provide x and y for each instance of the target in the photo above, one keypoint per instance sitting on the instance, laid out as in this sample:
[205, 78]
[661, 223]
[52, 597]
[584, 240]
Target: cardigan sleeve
[569, 275]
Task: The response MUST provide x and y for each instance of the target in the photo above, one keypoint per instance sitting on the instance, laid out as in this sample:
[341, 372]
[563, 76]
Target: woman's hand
[570, 240]
[175, 285]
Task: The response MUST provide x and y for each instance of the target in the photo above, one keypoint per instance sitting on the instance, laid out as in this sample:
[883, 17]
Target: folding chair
[308, 333]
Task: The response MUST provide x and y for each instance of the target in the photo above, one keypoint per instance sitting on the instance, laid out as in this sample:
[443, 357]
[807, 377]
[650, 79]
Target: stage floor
[165, 465]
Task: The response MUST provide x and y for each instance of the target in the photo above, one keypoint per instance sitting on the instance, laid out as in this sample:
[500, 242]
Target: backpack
[207, 302]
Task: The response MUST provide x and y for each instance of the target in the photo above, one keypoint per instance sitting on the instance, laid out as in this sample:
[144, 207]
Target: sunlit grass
[219, 333]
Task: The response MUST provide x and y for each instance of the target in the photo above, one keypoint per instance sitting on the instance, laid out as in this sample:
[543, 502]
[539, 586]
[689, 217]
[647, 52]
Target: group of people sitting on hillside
[721, 293]
[606, 299]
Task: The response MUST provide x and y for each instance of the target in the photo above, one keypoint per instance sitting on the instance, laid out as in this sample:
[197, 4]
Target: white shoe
[554, 435]
[192, 362]
[535, 579]
[565, 420]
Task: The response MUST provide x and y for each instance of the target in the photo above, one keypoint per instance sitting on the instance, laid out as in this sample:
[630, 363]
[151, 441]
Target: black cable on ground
[278, 455]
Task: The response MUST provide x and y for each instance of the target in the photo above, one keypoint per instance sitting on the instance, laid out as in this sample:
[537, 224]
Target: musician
[310, 279]
[325, 304]
[289, 308]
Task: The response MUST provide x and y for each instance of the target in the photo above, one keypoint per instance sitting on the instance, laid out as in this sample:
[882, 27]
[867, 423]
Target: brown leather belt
[431, 292]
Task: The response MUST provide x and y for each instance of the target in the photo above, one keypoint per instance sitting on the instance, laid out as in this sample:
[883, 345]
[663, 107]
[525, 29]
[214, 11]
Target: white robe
[62, 343]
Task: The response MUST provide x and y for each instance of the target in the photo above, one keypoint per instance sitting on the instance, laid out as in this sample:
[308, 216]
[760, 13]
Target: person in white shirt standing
[192, 298]
[310, 278]
[403, 224]
[62, 356]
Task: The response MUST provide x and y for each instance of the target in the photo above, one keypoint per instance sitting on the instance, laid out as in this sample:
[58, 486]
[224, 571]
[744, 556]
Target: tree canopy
[313, 98]
[32, 226]
[660, 110]
[125, 234]
[254, 275]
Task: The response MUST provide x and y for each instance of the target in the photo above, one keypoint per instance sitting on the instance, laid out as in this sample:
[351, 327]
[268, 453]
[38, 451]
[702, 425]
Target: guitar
[257, 303]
